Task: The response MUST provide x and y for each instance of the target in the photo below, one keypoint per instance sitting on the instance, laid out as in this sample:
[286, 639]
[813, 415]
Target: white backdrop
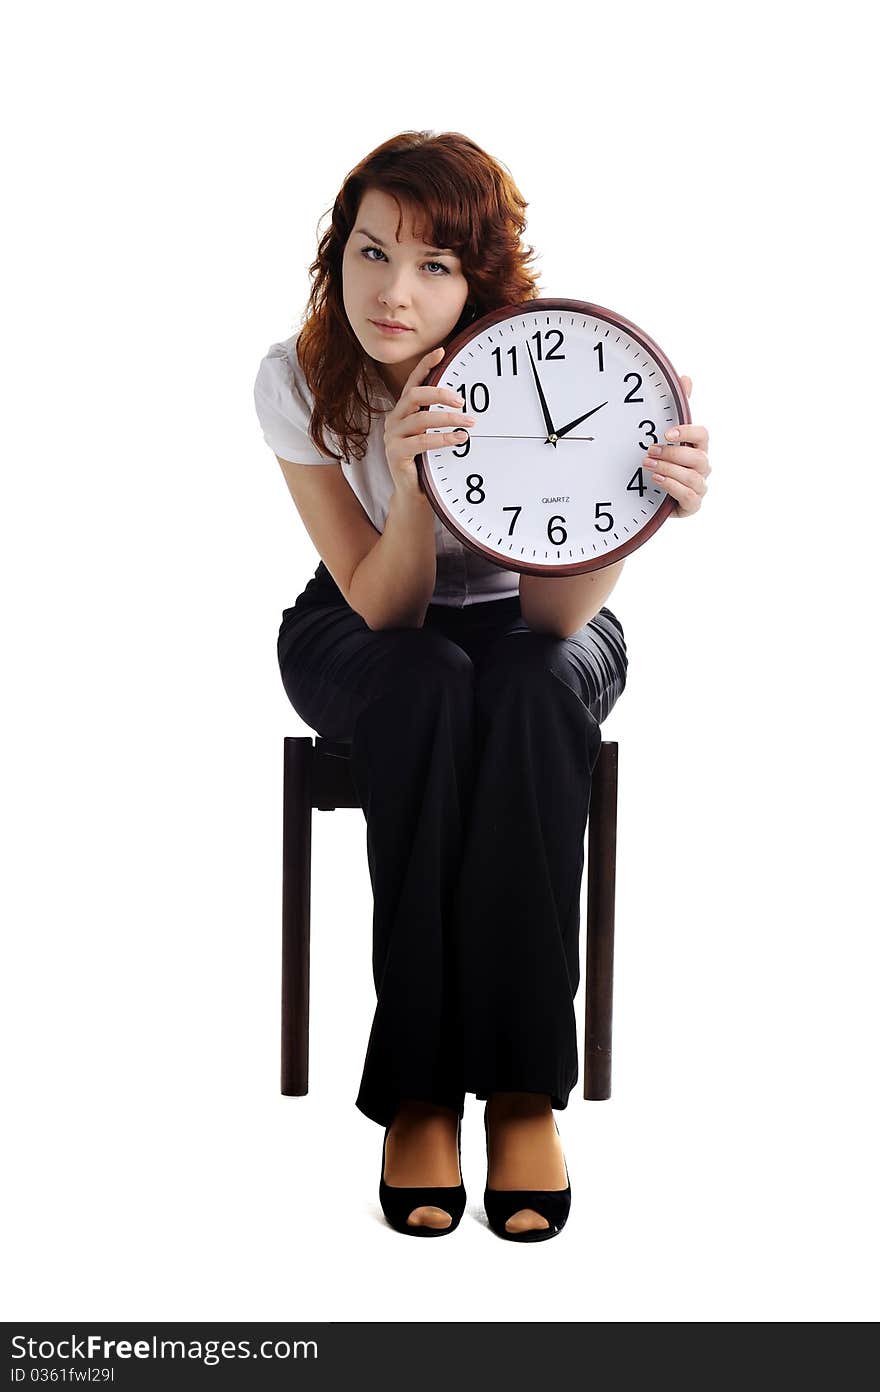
[704, 172]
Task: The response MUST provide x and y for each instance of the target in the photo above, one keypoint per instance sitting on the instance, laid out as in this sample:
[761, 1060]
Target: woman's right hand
[405, 424]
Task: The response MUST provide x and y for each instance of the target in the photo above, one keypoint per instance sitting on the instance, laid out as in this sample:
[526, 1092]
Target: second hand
[480, 436]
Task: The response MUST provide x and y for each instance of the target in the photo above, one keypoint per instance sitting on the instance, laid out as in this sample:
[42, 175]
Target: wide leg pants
[473, 746]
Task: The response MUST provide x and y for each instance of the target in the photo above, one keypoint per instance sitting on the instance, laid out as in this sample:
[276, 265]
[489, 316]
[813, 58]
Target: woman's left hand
[683, 468]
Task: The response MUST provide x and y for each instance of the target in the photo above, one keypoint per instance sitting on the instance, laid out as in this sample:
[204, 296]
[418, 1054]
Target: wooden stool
[317, 773]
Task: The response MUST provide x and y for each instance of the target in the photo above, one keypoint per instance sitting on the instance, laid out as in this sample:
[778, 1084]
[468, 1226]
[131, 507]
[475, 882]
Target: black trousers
[473, 746]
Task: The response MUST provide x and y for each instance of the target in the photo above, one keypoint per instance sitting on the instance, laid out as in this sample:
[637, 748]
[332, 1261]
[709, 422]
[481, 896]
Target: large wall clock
[554, 477]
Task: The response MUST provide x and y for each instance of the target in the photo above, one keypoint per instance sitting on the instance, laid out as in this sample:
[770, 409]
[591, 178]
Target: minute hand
[545, 410]
[571, 425]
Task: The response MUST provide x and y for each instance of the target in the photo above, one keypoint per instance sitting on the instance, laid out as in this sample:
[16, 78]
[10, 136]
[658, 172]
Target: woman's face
[406, 282]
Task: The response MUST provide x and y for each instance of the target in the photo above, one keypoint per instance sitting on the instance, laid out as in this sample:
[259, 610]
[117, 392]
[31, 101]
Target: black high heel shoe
[501, 1204]
[398, 1201]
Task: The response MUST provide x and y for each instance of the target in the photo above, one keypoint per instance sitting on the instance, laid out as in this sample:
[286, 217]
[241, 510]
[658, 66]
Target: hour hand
[547, 421]
[571, 425]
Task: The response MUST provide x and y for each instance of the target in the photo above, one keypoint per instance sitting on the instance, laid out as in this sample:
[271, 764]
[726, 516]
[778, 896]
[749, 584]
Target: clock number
[463, 393]
[511, 353]
[475, 485]
[637, 482]
[513, 520]
[462, 451]
[629, 396]
[597, 348]
[651, 429]
[606, 516]
[555, 524]
[552, 356]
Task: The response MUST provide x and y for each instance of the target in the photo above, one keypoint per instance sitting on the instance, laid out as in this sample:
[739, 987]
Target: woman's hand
[683, 468]
[405, 425]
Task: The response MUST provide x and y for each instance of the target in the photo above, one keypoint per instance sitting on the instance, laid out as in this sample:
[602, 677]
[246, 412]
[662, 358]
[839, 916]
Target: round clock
[554, 478]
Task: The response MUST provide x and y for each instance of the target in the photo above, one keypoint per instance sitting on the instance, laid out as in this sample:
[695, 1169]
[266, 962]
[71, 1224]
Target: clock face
[554, 477]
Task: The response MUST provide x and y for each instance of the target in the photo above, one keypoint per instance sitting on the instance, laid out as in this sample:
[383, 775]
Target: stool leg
[296, 877]
[601, 871]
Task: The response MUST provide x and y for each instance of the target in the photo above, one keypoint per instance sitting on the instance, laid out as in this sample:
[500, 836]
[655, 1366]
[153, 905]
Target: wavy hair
[464, 200]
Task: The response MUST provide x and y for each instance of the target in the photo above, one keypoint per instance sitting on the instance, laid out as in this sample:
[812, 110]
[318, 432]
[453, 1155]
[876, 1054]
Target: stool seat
[340, 749]
[317, 775]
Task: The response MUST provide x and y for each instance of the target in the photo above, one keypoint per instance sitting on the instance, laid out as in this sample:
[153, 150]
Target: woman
[474, 732]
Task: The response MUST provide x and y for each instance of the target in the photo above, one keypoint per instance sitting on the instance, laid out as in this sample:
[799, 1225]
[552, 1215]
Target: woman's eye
[365, 250]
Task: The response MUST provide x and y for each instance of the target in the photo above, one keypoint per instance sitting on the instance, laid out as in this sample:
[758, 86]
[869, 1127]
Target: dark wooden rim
[609, 316]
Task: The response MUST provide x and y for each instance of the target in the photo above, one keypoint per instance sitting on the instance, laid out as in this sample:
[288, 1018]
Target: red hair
[463, 199]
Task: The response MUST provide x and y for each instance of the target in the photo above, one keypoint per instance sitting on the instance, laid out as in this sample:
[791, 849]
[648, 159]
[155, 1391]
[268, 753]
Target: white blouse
[284, 408]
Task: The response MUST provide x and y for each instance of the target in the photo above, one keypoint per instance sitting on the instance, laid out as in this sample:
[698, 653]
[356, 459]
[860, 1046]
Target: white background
[706, 173]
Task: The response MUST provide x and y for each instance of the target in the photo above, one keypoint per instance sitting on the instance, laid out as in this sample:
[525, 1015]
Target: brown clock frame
[587, 309]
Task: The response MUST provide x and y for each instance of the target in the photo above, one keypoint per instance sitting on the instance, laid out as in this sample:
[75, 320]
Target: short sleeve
[284, 410]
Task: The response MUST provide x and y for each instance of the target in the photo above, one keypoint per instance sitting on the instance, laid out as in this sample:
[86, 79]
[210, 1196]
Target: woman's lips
[383, 328]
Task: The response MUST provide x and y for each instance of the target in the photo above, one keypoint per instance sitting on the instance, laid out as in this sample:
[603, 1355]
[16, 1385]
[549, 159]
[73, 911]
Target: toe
[429, 1217]
[524, 1219]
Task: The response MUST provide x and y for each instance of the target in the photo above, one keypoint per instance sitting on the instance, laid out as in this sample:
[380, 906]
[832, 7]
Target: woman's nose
[396, 291]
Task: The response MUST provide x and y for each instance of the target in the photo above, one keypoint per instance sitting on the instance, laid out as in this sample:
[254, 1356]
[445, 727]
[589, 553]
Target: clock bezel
[587, 309]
